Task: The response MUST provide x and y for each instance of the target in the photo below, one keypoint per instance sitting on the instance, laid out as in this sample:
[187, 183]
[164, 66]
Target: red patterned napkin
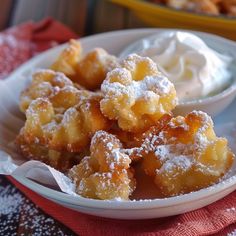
[20, 43]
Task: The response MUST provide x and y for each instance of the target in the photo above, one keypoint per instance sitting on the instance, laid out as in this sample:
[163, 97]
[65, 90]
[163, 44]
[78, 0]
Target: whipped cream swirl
[196, 70]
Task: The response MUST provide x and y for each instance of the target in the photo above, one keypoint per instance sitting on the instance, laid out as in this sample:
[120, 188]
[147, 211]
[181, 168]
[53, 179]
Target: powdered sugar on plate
[20, 217]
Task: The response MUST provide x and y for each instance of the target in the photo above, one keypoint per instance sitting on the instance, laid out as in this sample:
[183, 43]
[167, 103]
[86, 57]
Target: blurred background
[94, 16]
[83, 16]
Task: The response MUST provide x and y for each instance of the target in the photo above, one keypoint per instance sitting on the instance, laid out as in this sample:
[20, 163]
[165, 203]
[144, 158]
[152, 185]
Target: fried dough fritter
[61, 161]
[68, 59]
[64, 128]
[211, 7]
[229, 7]
[203, 6]
[44, 84]
[128, 121]
[106, 173]
[89, 70]
[93, 67]
[58, 114]
[137, 95]
[185, 155]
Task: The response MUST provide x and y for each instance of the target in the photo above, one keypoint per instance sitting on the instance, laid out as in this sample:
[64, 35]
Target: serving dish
[11, 120]
[161, 16]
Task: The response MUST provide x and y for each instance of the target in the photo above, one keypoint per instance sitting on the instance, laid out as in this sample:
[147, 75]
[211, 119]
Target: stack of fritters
[95, 118]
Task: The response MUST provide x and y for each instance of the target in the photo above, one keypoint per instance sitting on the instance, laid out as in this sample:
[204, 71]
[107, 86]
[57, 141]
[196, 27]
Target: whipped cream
[196, 70]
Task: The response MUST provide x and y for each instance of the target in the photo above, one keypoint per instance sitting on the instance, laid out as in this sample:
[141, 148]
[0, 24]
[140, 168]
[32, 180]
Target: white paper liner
[38, 171]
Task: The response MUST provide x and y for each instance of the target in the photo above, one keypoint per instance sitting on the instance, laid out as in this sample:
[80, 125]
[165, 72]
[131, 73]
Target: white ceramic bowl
[213, 105]
[11, 121]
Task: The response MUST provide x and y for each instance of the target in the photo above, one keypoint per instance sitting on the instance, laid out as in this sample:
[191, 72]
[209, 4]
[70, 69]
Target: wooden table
[19, 216]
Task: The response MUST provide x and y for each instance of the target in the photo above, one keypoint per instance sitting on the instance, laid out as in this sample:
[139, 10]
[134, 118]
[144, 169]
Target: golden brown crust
[229, 7]
[212, 7]
[136, 94]
[58, 114]
[184, 155]
[106, 173]
[92, 69]
[68, 59]
[67, 128]
[61, 161]
[44, 84]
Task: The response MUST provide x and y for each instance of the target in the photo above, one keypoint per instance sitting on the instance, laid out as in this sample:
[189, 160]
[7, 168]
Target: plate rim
[128, 204]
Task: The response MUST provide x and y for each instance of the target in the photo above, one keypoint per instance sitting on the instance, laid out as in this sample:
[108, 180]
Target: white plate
[11, 121]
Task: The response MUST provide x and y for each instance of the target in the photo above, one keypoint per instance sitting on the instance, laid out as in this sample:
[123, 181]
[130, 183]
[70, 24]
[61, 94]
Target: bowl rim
[231, 89]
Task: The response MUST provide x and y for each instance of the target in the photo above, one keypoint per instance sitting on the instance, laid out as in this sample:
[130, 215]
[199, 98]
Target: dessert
[102, 139]
[93, 67]
[185, 155]
[106, 173]
[204, 6]
[69, 58]
[229, 6]
[64, 124]
[44, 84]
[136, 94]
[60, 160]
[60, 119]
[88, 70]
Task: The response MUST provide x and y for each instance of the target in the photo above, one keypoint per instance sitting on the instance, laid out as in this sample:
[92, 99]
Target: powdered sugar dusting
[180, 123]
[149, 87]
[123, 81]
[174, 155]
[179, 163]
[133, 60]
[113, 152]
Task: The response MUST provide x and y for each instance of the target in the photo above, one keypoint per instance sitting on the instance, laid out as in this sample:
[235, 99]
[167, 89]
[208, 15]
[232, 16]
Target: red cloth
[19, 44]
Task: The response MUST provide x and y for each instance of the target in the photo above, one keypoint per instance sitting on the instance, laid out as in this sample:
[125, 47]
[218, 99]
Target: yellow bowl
[161, 16]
